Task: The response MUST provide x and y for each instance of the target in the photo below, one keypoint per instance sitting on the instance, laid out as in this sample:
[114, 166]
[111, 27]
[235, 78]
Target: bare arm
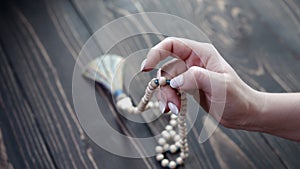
[199, 68]
[278, 114]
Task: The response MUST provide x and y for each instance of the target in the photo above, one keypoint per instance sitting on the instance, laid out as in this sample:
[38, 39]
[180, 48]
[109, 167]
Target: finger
[201, 79]
[192, 52]
[168, 47]
[173, 68]
[168, 95]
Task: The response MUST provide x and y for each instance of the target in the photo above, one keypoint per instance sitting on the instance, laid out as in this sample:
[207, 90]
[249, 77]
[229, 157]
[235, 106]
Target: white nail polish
[177, 81]
[143, 64]
[173, 108]
[162, 106]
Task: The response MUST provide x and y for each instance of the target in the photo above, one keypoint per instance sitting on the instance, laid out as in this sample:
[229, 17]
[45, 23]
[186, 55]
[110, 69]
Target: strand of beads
[169, 135]
[152, 85]
[124, 102]
[169, 143]
[182, 127]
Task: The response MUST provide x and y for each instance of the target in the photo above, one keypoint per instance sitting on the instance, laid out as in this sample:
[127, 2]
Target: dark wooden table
[39, 44]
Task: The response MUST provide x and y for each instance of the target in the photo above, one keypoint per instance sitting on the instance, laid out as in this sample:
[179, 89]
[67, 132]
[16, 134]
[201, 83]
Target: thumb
[197, 78]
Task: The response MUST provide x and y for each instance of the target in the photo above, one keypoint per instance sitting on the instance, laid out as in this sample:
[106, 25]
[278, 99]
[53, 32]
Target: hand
[200, 70]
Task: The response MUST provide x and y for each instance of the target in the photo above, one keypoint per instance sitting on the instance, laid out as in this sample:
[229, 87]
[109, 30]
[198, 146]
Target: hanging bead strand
[124, 102]
[182, 129]
[152, 85]
[169, 134]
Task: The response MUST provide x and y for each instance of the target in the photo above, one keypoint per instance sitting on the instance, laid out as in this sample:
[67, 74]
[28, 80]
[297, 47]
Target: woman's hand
[200, 70]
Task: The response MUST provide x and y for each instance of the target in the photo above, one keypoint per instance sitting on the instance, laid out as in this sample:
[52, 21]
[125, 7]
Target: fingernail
[173, 108]
[162, 107]
[177, 81]
[143, 64]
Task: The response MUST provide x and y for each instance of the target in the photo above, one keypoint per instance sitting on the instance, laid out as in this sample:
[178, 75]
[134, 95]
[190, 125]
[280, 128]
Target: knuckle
[198, 74]
[169, 39]
[194, 70]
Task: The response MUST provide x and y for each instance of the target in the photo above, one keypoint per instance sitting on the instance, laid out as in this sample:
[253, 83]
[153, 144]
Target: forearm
[278, 114]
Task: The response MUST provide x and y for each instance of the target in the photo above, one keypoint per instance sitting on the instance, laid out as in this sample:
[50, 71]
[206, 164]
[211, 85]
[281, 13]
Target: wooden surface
[40, 40]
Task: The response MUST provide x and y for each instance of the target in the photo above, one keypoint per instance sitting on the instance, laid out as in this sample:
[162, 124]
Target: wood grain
[41, 40]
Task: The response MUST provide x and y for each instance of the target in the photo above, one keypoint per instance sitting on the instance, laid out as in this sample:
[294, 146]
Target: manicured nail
[177, 81]
[143, 64]
[162, 107]
[173, 108]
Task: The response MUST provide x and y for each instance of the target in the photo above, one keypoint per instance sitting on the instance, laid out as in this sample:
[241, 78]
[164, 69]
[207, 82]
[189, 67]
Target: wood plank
[37, 59]
[231, 26]
[23, 140]
[4, 162]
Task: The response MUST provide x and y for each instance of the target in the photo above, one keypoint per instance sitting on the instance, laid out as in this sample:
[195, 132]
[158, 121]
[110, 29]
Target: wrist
[255, 111]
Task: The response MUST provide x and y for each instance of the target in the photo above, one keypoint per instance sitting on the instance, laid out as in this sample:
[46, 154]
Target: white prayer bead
[169, 128]
[179, 160]
[172, 133]
[161, 141]
[173, 148]
[172, 164]
[162, 81]
[150, 105]
[178, 144]
[165, 134]
[182, 155]
[166, 147]
[159, 149]
[164, 162]
[173, 122]
[173, 117]
[159, 157]
[176, 138]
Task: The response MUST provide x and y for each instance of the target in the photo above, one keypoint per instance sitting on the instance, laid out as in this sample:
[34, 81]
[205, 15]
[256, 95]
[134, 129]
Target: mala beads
[124, 102]
[170, 141]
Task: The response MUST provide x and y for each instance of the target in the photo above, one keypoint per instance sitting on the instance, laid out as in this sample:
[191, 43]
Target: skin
[200, 70]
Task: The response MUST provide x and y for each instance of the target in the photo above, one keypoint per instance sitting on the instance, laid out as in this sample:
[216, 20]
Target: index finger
[192, 52]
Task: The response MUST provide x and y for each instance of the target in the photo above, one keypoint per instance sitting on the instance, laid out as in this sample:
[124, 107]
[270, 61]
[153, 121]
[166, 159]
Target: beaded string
[169, 135]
